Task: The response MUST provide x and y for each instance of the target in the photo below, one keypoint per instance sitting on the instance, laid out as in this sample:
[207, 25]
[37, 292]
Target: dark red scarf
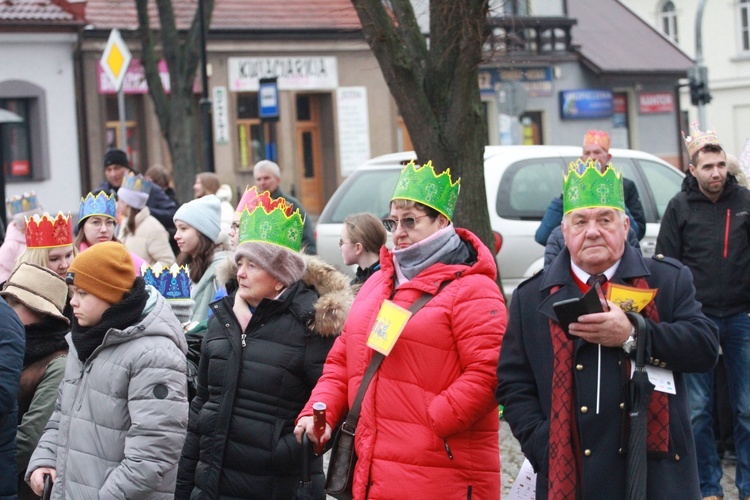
[564, 466]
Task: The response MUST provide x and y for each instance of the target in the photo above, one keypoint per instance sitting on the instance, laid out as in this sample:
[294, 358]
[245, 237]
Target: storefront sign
[655, 102]
[585, 104]
[135, 79]
[353, 128]
[292, 73]
[536, 82]
[221, 115]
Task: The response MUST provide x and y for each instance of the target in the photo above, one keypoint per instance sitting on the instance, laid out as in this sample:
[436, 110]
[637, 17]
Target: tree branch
[151, 65]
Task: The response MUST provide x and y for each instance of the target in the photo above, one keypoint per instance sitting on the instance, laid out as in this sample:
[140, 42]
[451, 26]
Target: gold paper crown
[698, 140]
[23, 203]
[137, 183]
[45, 232]
[597, 137]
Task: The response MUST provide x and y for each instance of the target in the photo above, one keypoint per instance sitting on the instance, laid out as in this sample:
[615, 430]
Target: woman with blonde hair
[362, 236]
[49, 243]
[140, 232]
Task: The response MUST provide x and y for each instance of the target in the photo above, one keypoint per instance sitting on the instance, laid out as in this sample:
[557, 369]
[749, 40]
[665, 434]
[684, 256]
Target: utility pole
[698, 74]
[205, 102]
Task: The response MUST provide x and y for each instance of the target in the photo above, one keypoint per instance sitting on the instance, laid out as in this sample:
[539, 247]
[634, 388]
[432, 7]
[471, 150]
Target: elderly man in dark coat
[564, 395]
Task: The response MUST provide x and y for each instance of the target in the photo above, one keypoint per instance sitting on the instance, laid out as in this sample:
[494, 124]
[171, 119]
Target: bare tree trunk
[436, 89]
[176, 111]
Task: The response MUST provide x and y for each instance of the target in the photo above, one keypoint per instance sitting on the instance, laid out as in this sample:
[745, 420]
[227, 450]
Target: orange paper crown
[597, 137]
[698, 140]
[42, 231]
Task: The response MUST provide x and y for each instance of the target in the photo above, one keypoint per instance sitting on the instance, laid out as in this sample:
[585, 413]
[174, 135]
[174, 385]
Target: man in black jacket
[707, 227]
[161, 206]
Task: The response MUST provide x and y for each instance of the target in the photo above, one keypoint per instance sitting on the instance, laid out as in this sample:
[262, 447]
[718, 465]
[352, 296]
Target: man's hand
[306, 425]
[610, 329]
[36, 481]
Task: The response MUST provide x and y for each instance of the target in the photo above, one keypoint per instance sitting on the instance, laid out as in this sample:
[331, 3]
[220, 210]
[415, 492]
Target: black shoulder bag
[343, 457]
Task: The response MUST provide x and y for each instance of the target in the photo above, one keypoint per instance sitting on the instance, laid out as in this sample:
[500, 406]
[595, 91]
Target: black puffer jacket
[240, 441]
[713, 240]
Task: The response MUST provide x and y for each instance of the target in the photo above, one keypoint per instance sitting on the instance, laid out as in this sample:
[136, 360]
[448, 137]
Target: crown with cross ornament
[20, 204]
[586, 187]
[698, 139]
[421, 184]
[102, 204]
[271, 221]
[44, 231]
[173, 283]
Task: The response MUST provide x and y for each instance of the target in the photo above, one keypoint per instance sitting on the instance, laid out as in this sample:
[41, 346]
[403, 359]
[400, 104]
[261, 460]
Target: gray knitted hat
[204, 214]
[281, 263]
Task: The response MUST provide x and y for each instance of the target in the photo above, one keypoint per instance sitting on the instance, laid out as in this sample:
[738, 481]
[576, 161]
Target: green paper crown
[586, 187]
[277, 224]
[420, 184]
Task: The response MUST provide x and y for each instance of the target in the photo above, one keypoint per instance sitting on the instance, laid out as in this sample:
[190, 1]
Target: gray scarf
[414, 259]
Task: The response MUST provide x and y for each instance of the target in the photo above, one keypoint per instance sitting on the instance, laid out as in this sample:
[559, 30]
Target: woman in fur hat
[203, 246]
[37, 295]
[263, 353]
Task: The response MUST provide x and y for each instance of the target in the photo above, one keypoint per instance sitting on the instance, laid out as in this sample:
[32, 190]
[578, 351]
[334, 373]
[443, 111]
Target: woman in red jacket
[428, 426]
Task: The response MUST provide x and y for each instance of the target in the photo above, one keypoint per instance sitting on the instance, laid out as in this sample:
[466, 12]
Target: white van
[521, 181]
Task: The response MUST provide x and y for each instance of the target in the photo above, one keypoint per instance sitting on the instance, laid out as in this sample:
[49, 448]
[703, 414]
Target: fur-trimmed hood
[335, 294]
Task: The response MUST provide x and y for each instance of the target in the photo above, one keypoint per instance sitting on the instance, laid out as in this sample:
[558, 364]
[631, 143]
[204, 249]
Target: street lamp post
[205, 102]
[698, 74]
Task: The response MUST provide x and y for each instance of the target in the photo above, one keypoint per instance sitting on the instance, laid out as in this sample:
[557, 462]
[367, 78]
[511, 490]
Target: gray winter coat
[120, 419]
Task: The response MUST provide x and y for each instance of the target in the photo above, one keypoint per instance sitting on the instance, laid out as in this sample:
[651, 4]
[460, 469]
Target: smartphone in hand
[568, 311]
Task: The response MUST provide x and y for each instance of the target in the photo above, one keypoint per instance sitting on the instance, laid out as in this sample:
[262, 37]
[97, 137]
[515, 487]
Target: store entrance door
[309, 153]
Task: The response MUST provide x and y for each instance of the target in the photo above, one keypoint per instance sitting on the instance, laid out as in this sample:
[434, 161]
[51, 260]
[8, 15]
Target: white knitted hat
[204, 214]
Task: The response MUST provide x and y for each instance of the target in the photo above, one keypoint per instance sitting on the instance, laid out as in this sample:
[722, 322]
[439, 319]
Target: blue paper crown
[23, 203]
[101, 204]
[173, 283]
[137, 183]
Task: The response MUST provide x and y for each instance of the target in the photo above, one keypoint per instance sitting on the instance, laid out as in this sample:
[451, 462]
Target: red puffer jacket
[428, 427]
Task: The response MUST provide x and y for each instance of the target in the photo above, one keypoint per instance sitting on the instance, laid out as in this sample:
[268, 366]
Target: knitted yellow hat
[105, 270]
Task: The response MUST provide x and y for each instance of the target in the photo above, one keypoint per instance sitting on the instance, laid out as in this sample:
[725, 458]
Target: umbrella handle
[640, 343]
[305, 454]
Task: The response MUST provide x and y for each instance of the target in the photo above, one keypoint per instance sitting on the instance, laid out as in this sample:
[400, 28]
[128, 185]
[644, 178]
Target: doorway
[309, 153]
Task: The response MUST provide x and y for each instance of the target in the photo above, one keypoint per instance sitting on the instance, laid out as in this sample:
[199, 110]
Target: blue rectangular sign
[585, 104]
[268, 99]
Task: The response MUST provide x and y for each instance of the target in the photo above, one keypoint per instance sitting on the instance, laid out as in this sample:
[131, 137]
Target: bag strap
[353, 416]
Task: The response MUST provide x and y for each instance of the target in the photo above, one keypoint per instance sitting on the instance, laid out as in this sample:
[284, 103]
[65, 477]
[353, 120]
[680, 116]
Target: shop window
[744, 18]
[668, 20]
[24, 153]
[132, 142]
[251, 132]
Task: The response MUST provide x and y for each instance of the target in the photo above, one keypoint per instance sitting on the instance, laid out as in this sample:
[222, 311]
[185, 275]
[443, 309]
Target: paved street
[511, 460]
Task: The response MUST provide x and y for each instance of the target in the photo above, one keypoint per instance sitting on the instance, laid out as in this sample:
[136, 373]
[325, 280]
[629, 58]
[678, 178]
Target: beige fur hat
[39, 289]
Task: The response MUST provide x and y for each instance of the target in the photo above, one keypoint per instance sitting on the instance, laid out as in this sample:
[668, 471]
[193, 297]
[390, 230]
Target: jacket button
[676, 457]
[619, 451]
[587, 453]
[227, 325]
[663, 364]
[584, 409]
[656, 362]
[622, 406]
[216, 306]
[579, 367]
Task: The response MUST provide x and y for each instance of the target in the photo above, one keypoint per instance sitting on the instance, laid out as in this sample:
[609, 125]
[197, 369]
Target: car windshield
[366, 191]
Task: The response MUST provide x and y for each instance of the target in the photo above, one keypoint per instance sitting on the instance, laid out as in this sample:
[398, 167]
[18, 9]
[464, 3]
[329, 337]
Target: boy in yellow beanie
[122, 408]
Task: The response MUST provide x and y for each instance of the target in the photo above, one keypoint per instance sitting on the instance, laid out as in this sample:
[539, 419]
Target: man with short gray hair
[267, 176]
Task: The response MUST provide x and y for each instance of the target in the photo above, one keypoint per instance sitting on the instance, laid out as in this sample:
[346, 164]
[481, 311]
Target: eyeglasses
[234, 227]
[407, 223]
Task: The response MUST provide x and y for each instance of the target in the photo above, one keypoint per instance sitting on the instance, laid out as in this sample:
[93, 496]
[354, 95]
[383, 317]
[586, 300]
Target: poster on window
[353, 128]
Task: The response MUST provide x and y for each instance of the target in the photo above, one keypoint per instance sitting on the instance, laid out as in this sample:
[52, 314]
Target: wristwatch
[629, 344]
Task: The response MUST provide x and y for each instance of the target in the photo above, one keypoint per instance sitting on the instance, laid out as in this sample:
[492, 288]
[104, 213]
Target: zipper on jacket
[244, 344]
[468, 493]
[448, 449]
[726, 234]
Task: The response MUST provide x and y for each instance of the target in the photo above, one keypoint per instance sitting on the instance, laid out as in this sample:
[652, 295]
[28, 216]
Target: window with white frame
[744, 17]
[668, 20]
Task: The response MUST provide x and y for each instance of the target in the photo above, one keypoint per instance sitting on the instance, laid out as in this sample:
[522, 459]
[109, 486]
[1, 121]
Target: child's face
[87, 307]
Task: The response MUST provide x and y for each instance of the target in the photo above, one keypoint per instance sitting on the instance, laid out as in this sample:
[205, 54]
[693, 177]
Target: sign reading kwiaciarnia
[116, 59]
